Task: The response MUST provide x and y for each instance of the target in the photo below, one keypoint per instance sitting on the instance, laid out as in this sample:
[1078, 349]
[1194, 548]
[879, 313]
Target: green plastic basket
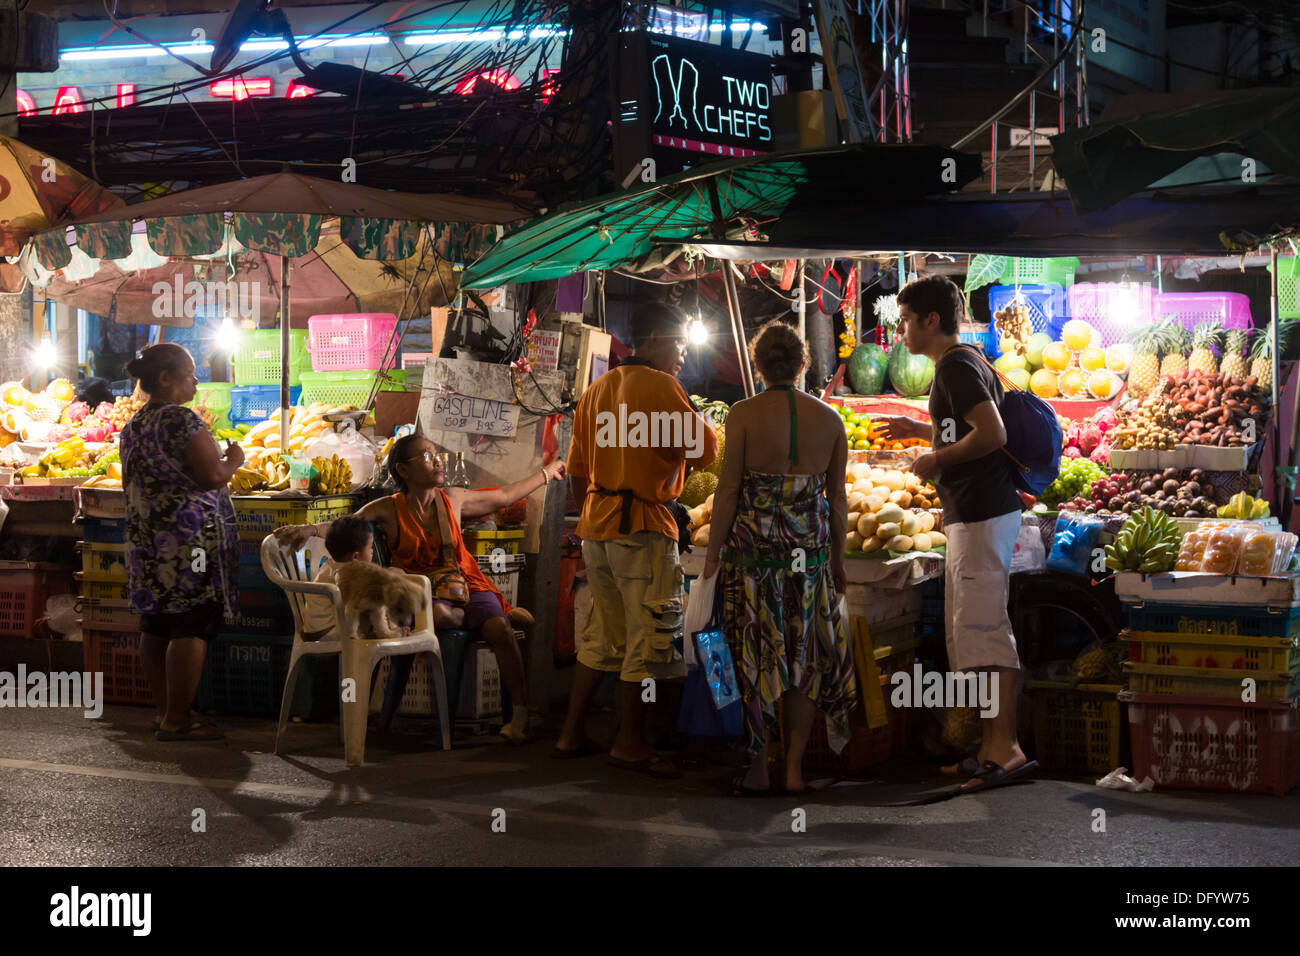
[348, 388]
[216, 397]
[257, 360]
[1288, 287]
[1022, 271]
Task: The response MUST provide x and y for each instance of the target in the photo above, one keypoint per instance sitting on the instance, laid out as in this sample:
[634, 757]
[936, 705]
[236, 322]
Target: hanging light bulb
[227, 335]
[696, 331]
[45, 355]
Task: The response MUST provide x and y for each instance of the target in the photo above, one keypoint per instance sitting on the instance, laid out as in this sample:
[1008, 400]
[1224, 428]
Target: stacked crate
[110, 632]
[1214, 680]
[349, 352]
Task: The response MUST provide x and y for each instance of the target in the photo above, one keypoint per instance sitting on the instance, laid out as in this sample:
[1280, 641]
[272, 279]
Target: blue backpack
[1034, 436]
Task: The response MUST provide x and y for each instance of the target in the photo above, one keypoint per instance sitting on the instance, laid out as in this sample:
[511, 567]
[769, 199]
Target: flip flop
[516, 741]
[584, 749]
[647, 766]
[991, 775]
[738, 789]
[191, 731]
[970, 767]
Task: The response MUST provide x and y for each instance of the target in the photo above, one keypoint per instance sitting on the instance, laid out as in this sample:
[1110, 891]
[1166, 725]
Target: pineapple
[1144, 369]
[1261, 351]
[1234, 361]
[1205, 340]
[1177, 345]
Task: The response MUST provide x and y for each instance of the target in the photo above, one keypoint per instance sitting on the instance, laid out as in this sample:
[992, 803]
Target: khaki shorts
[977, 578]
[637, 607]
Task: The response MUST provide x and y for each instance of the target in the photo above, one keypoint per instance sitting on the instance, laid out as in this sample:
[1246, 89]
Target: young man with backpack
[981, 514]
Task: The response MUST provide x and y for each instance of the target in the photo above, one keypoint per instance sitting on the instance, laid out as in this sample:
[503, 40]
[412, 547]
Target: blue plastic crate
[1235, 621]
[255, 403]
[263, 612]
[986, 340]
[252, 576]
[1049, 306]
[103, 530]
[243, 675]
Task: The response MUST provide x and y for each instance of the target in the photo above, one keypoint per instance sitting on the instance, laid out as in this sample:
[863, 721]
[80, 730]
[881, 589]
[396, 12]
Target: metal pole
[285, 417]
[733, 298]
[801, 309]
[1033, 132]
[993, 175]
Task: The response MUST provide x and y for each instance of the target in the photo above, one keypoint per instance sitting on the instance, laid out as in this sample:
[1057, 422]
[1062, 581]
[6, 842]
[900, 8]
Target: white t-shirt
[318, 612]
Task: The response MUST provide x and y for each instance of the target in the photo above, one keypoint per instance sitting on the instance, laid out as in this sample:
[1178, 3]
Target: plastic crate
[108, 593]
[1048, 306]
[1113, 308]
[483, 543]
[116, 654]
[981, 335]
[25, 586]
[265, 613]
[103, 530]
[215, 396]
[250, 404]
[1205, 620]
[1190, 309]
[1057, 271]
[1288, 287]
[1210, 682]
[244, 676]
[108, 617]
[1197, 743]
[1222, 652]
[344, 343]
[103, 562]
[257, 359]
[256, 517]
[1077, 728]
[348, 388]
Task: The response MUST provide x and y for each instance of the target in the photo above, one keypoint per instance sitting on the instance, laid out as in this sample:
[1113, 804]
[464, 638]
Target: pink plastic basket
[1232, 309]
[345, 343]
[1113, 308]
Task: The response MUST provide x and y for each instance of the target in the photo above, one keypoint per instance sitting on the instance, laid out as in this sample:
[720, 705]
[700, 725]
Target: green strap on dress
[794, 421]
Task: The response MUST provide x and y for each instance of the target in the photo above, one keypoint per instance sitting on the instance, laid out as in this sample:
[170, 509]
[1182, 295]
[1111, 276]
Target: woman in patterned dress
[182, 547]
[779, 517]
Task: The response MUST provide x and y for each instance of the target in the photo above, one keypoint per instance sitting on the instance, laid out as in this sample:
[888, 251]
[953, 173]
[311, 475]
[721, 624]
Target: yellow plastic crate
[103, 562]
[1210, 681]
[256, 516]
[1222, 652]
[1077, 728]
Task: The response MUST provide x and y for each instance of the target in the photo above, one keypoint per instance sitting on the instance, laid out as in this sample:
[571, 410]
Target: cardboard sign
[476, 416]
[544, 344]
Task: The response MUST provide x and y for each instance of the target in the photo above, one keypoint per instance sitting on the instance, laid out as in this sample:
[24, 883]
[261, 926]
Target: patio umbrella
[38, 192]
[280, 214]
[717, 200]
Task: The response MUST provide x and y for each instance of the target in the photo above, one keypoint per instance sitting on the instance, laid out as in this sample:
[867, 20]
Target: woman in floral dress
[779, 517]
[182, 550]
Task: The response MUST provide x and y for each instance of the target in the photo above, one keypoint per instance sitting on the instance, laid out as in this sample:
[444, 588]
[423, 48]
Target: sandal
[584, 749]
[968, 768]
[650, 766]
[738, 789]
[991, 775]
[191, 731]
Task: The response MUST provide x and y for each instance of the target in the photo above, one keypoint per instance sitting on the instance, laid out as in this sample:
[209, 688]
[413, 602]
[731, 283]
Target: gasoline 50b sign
[708, 99]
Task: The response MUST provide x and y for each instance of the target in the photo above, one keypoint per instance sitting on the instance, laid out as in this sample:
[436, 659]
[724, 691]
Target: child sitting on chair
[349, 539]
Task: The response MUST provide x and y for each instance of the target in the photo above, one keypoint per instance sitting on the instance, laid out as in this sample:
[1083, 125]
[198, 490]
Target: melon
[910, 374]
[1009, 360]
[1034, 348]
[867, 367]
[1019, 377]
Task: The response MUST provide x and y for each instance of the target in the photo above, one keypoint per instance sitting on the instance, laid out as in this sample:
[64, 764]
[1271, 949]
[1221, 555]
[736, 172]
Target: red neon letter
[241, 88]
[26, 105]
[297, 91]
[501, 78]
[68, 101]
[125, 94]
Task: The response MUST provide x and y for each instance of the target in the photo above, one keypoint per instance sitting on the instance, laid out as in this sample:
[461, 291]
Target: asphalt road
[105, 793]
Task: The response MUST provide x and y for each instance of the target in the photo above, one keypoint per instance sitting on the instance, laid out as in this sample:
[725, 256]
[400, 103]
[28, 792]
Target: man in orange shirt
[634, 433]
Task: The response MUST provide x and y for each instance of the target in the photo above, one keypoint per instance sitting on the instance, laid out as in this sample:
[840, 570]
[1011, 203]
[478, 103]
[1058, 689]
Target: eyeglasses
[428, 456]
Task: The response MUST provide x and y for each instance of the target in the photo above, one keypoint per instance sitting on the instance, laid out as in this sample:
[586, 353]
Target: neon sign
[241, 88]
[706, 99]
[26, 105]
[68, 100]
[125, 94]
[501, 78]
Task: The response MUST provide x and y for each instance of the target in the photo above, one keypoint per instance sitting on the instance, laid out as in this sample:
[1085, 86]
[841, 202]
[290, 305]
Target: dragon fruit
[1105, 419]
[104, 410]
[1089, 439]
[1101, 454]
[74, 413]
[92, 429]
[1072, 452]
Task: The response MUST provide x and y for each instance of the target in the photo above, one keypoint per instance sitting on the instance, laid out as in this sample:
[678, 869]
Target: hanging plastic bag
[1030, 554]
[349, 445]
[61, 613]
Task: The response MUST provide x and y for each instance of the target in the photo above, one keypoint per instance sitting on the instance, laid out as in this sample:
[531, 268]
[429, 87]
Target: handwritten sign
[544, 344]
[477, 416]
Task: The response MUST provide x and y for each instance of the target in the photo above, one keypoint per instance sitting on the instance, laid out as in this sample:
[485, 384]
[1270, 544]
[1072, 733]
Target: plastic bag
[1119, 779]
[1266, 552]
[1073, 544]
[61, 613]
[1030, 554]
[349, 445]
[699, 609]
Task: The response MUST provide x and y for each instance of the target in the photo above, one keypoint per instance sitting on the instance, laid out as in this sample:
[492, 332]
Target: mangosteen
[1159, 496]
[1207, 490]
[1193, 488]
[1169, 473]
[1148, 487]
[1197, 474]
[1134, 496]
[1170, 487]
[1167, 507]
[1130, 507]
[1115, 503]
[1180, 508]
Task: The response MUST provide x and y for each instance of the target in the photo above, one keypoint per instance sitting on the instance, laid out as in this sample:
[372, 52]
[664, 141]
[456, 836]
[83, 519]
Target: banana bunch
[247, 480]
[1148, 542]
[333, 476]
[1243, 506]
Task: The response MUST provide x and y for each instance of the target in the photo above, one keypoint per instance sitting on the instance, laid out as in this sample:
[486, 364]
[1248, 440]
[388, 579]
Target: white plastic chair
[293, 572]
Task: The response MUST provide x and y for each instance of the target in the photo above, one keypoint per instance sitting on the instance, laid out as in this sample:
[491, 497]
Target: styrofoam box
[882, 604]
[1191, 587]
[1213, 458]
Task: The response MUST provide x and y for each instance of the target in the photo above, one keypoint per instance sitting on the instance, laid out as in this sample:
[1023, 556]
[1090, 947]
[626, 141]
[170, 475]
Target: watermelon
[867, 367]
[910, 374]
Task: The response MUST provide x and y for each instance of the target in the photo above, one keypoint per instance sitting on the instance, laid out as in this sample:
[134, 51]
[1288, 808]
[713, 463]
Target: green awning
[1107, 161]
[750, 193]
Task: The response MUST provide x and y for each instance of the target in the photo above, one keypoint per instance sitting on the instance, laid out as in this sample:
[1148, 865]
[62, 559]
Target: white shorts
[977, 573]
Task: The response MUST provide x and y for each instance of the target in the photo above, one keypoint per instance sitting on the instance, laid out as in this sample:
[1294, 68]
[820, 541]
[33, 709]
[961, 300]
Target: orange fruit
[1118, 358]
[1092, 358]
[1103, 384]
[1045, 384]
[61, 390]
[1071, 383]
[14, 394]
[1056, 357]
[1078, 335]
